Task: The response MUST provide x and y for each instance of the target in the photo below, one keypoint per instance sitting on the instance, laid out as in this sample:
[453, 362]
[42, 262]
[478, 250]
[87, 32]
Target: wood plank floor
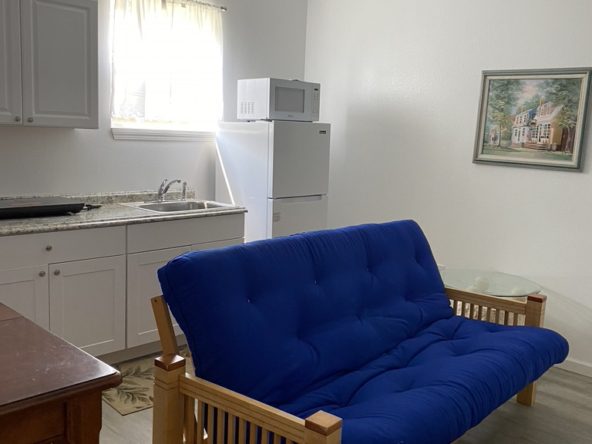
[562, 414]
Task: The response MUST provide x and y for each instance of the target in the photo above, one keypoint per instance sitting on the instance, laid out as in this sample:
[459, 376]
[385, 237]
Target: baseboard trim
[575, 366]
[152, 348]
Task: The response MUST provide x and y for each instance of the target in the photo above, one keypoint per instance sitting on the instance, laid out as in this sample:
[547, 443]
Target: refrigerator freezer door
[299, 156]
[296, 215]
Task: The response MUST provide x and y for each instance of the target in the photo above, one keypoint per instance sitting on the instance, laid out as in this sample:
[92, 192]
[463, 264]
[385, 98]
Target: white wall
[401, 87]
[262, 37]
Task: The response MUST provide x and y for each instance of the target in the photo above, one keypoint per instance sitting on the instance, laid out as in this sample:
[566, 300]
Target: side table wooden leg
[535, 316]
[527, 395]
[83, 419]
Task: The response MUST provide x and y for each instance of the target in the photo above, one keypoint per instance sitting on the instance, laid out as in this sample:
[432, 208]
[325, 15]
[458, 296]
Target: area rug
[135, 391]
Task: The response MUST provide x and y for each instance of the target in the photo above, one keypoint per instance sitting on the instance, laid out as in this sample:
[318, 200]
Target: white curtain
[167, 64]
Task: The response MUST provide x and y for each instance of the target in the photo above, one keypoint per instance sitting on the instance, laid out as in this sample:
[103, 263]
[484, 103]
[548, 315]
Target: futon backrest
[275, 318]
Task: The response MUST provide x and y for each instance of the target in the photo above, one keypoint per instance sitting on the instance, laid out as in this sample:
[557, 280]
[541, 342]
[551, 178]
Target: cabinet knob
[56, 272]
[42, 274]
[17, 119]
[30, 119]
[48, 248]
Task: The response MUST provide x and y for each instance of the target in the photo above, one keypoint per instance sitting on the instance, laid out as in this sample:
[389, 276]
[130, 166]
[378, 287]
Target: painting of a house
[539, 128]
[532, 119]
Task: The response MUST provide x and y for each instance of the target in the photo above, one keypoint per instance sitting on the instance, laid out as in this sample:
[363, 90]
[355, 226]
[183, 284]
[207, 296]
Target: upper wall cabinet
[11, 102]
[48, 64]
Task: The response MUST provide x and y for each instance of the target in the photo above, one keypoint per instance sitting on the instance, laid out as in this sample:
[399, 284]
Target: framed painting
[533, 117]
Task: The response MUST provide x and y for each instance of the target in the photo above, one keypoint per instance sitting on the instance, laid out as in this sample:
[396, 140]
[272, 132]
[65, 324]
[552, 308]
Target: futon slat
[210, 428]
[242, 431]
[220, 426]
[200, 421]
[252, 433]
[231, 429]
[190, 426]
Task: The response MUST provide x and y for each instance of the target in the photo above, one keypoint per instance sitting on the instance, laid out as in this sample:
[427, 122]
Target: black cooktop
[38, 207]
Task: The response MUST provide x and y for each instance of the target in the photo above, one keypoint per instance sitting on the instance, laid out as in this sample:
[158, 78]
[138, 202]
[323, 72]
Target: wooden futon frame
[191, 410]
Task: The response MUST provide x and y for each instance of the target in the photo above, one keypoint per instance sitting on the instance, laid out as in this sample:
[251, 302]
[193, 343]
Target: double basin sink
[178, 206]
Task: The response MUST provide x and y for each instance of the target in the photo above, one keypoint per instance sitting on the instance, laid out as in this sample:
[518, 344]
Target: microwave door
[288, 103]
[292, 100]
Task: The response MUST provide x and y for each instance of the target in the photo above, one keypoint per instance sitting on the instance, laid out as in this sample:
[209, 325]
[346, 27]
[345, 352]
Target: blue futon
[355, 322]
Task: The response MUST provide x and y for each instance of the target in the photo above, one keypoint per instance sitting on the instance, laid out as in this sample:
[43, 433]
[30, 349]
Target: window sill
[162, 135]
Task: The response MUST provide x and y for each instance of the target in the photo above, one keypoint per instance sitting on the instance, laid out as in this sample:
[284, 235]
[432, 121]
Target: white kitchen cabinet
[93, 286]
[26, 291]
[54, 77]
[87, 303]
[10, 63]
[143, 284]
[60, 246]
[184, 232]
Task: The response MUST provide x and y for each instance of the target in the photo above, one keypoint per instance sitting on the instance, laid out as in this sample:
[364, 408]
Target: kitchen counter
[110, 214]
[88, 277]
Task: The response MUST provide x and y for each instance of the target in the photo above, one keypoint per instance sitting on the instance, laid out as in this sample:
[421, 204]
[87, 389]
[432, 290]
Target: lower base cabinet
[26, 291]
[87, 303]
[143, 284]
[92, 287]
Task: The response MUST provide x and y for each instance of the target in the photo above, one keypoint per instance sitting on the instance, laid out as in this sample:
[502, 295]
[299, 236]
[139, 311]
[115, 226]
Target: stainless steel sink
[179, 206]
[187, 205]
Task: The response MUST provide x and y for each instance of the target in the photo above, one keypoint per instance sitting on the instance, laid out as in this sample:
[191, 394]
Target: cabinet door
[142, 285]
[10, 63]
[59, 63]
[299, 157]
[26, 291]
[296, 215]
[87, 303]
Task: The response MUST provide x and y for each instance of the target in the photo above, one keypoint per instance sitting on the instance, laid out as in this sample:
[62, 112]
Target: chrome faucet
[184, 191]
[164, 188]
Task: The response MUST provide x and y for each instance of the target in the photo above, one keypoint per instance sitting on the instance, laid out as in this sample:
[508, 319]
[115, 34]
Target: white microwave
[278, 99]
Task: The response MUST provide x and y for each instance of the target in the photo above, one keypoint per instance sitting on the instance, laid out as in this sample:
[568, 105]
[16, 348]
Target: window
[167, 65]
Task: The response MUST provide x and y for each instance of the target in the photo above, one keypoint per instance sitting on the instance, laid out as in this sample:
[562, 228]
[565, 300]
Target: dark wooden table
[50, 391]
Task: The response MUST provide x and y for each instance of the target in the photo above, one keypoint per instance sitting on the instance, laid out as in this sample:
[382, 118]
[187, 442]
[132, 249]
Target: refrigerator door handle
[300, 198]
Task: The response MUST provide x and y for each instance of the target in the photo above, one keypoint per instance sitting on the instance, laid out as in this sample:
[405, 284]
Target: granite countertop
[113, 212]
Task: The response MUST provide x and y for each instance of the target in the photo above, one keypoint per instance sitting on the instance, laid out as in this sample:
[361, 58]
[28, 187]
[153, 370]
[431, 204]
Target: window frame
[161, 135]
[139, 133]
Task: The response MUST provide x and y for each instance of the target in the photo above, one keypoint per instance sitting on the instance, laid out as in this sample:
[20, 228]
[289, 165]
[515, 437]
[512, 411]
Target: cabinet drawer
[61, 246]
[177, 233]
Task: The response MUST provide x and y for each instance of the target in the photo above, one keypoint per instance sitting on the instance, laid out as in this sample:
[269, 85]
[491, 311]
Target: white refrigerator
[279, 171]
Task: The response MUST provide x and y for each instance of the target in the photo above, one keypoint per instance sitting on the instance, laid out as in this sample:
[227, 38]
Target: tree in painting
[502, 95]
[565, 93]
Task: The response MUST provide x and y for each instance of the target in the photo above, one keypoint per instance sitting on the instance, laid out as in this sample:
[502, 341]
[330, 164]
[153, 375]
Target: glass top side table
[492, 283]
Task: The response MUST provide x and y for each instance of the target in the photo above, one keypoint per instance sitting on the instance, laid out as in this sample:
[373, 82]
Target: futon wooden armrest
[188, 409]
[528, 311]
[210, 410]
